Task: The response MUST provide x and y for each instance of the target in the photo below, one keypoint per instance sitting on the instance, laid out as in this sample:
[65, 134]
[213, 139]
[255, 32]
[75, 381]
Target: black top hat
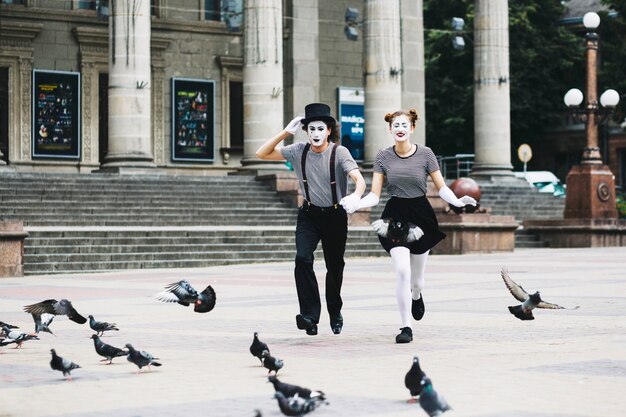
[318, 111]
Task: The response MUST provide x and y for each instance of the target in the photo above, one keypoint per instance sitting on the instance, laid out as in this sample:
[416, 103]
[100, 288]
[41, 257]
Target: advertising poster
[351, 102]
[56, 114]
[193, 120]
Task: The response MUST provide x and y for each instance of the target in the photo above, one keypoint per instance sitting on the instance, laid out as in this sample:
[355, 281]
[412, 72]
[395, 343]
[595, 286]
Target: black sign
[56, 114]
[193, 120]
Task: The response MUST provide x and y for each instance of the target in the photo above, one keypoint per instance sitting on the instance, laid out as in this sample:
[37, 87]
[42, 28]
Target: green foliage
[621, 206]
[546, 60]
[612, 31]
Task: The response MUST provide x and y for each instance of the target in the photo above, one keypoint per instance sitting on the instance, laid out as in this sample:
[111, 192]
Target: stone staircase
[86, 223]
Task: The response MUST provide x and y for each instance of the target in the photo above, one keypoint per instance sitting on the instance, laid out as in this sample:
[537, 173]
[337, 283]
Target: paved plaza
[484, 361]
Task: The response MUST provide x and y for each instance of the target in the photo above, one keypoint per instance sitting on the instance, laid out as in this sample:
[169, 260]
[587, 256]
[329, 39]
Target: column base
[489, 171]
[590, 193]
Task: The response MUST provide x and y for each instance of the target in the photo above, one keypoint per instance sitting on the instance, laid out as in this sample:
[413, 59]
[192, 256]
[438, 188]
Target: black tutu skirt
[419, 212]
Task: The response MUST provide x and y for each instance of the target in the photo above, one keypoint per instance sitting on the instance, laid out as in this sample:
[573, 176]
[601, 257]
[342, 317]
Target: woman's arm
[446, 193]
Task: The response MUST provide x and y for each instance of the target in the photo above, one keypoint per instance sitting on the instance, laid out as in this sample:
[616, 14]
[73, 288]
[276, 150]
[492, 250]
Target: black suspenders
[333, 181]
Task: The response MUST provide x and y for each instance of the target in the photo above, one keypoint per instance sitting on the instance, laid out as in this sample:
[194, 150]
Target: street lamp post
[591, 185]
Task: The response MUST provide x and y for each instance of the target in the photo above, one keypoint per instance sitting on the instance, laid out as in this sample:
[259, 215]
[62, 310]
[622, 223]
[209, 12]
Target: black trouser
[330, 225]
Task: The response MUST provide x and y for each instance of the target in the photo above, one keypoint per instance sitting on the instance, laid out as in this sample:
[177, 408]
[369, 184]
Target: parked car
[545, 181]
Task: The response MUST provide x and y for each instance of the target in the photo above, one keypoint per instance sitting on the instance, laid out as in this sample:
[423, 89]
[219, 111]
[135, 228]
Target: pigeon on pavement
[101, 326]
[413, 380]
[41, 325]
[140, 358]
[272, 364]
[107, 351]
[18, 337]
[289, 390]
[431, 401]
[258, 348]
[296, 406]
[529, 301]
[183, 293]
[58, 308]
[64, 365]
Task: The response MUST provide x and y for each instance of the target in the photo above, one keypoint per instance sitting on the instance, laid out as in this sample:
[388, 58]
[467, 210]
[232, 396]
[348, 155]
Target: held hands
[415, 234]
[294, 125]
[350, 203]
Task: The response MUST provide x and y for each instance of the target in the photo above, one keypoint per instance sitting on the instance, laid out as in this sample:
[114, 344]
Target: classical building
[190, 86]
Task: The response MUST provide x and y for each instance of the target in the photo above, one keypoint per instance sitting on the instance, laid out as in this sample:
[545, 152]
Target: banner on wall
[193, 120]
[351, 103]
[56, 114]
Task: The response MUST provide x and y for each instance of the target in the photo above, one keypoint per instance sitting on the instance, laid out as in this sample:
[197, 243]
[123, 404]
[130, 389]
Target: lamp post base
[590, 193]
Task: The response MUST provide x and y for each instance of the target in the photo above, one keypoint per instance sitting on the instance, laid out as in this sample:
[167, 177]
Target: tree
[545, 61]
[612, 33]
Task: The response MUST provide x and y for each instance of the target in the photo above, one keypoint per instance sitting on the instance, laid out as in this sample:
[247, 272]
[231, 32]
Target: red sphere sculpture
[465, 186]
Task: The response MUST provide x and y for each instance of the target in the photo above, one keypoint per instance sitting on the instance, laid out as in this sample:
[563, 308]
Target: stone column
[129, 85]
[413, 82]
[382, 65]
[12, 235]
[492, 127]
[302, 68]
[262, 77]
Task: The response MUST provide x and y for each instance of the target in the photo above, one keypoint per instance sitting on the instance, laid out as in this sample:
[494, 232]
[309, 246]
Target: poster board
[56, 114]
[193, 120]
[351, 105]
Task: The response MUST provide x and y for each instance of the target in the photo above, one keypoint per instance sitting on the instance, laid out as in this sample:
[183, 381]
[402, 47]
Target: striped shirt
[406, 176]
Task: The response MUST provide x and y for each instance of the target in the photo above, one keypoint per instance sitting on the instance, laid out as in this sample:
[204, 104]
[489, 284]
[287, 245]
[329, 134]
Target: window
[154, 8]
[86, 4]
[228, 11]
[212, 10]
[103, 115]
[4, 114]
[236, 114]
[11, 1]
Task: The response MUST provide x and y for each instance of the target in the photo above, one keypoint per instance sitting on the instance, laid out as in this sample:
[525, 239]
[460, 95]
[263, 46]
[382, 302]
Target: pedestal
[12, 235]
[475, 233]
[590, 193]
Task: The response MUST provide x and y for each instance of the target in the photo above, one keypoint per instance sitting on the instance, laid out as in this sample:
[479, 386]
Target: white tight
[409, 279]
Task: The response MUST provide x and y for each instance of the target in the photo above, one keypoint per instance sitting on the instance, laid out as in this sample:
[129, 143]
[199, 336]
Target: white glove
[350, 202]
[294, 125]
[446, 194]
[380, 226]
[369, 200]
[415, 234]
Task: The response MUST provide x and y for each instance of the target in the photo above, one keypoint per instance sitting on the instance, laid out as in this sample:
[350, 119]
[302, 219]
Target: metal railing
[457, 166]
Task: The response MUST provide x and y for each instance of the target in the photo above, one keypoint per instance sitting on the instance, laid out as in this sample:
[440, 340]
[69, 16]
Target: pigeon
[398, 231]
[10, 326]
[5, 342]
[108, 351]
[257, 413]
[413, 379]
[272, 364]
[431, 401]
[183, 293]
[289, 390]
[18, 337]
[296, 406]
[58, 308]
[101, 326]
[64, 365]
[258, 348]
[41, 325]
[529, 301]
[140, 358]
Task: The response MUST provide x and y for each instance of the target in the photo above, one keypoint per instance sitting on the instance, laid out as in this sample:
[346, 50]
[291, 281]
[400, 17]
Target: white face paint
[401, 128]
[318, 132]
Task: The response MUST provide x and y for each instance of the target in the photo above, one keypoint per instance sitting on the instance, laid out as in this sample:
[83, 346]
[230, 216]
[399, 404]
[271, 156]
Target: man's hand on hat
[350, 203]
[294, 125]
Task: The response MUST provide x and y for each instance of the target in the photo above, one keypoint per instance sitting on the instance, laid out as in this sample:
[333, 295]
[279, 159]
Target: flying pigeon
[258, 348]
[397, 231]
[431, 401]
[529, 301]
[107, 351]
[18, 337]
[272, 364]
[100, 326]
[64, 365]
[140, 358]
[183, 293]
[10, 326]
[58, 308]
[289, 390]
[41, 325]
[296, 406]
[413, 380]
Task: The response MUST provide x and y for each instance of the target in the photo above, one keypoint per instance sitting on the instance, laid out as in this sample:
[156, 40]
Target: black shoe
[336, 323]
[305, 323]
[405, 336]
[417, 308]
